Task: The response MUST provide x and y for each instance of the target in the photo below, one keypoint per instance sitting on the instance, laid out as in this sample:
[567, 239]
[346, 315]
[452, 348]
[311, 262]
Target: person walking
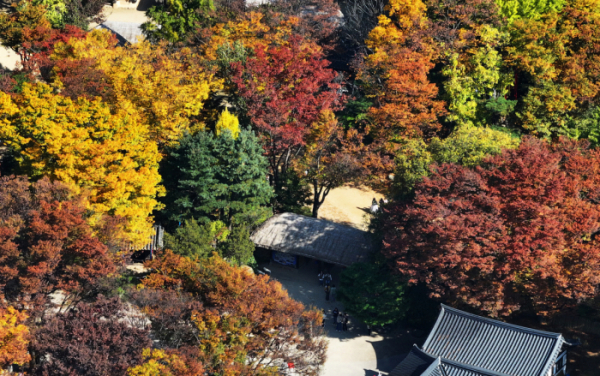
[335, 314]
[345, 322]
[324, 317]
[333, 293]
[339, 323]
[321, 276]
[327, 291]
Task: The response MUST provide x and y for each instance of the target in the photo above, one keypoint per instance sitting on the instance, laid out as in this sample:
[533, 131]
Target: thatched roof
[316, 238]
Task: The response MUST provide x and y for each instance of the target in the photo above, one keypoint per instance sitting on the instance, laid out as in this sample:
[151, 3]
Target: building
[463, 344]
[287, 236]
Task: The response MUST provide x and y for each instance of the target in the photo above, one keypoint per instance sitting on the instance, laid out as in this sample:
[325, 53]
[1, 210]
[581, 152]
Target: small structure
[463, 344]
[297, 235]
[142, 252]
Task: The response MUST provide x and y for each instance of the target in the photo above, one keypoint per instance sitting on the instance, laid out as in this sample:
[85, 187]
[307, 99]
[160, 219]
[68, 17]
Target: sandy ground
[8, 58]
[349, 206]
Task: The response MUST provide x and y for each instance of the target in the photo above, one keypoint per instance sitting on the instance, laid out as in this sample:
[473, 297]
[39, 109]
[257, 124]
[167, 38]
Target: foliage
[175, 19]
[72, 12]
[513, 10]
[373, 294]
[283, 112]
[46, 244]
[211, 177]
[556, 57]
[517, 234]
[112, 162]
[327, 159]
[477, 78]
[167, 89]
[467, 146]
[193, 240]
[295, 195]
[238, 248]
[91, 339]
[245, 318]
[228, 122]
[163, 363]
[14, 337]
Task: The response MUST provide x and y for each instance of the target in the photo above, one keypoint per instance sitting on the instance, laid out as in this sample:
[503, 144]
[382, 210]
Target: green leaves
[372, 294]
[211, 177]
[175, 19]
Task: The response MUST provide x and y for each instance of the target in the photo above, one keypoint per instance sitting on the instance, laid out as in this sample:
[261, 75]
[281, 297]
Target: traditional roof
[420, 363]
[315, 238]
[492, 345]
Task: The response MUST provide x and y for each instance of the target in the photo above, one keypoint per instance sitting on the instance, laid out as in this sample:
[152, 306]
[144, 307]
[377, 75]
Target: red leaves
[285, 89]
[518, 233]
[45, 242]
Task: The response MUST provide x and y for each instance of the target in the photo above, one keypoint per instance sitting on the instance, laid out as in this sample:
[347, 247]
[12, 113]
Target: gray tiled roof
[492, 345]
[419, 363]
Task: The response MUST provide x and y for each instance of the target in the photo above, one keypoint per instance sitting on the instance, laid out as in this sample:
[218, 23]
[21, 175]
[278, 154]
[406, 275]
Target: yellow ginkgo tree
[107, 157]
[167, 89]
[14, 338]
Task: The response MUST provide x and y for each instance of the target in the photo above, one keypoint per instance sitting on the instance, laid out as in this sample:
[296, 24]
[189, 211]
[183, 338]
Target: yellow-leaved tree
[106, 156]
[14, 338]
[168, 89]
[228, 121]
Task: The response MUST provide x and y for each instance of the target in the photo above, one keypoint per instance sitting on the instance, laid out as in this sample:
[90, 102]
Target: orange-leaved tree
[46, 244]
[247, 325]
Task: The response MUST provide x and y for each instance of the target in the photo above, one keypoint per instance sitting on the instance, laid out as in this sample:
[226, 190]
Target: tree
[113, 162]
[238, 248]
[373, 294]
[327, 160]
[46, 244]
[174, 20]
[164, 363]
[513, 10]
[248, 325]
[518, 233]
[14, 337]
[282, 113]
[467, 146]
[557, 69]
[217, 178]
[194, 240]
[168, 90]
[73, 12]
[92, 339]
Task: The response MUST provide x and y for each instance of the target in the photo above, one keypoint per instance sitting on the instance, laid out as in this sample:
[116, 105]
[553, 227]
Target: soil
[349, 206]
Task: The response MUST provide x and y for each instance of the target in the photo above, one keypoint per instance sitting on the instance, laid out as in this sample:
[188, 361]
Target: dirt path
[349, 206]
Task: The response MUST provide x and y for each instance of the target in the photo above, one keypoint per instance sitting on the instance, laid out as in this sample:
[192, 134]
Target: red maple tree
[519, 233]
[285, 89]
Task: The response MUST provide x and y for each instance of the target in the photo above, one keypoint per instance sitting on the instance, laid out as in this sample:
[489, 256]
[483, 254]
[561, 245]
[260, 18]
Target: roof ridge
[500, 323]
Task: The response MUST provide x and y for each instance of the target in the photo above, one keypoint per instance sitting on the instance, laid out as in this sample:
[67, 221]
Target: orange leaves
[14, 337]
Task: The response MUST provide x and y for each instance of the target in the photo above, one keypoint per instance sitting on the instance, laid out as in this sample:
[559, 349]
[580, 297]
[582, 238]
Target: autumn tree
[513, 10]
[173, 21]
[210, 178]
[113, 161]
[327, 159]
[167, 90]
[518, 233]
[14, 337]
[282, 113]
[93, 339]
[248, 324]
[165, 363]
[556, 61]
[46, 244]
[467, 146]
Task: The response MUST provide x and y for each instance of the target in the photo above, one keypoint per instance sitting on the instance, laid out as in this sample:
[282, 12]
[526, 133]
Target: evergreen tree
[216, 178]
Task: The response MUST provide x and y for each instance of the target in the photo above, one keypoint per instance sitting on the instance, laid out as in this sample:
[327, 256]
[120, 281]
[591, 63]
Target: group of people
[340, 320]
